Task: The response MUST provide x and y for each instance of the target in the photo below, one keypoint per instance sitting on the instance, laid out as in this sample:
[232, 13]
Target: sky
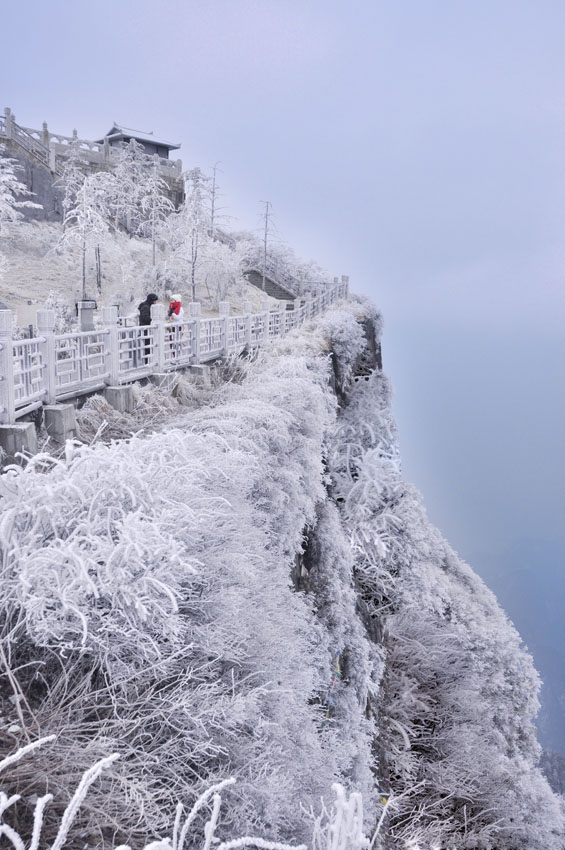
[418, 147]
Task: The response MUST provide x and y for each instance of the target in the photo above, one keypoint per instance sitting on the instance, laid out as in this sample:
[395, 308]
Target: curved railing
[55, 367]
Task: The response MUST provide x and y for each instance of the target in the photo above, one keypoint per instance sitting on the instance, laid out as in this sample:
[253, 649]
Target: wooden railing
[52, 368]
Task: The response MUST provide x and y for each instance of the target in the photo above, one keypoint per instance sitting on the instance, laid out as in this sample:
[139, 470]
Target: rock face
[40, 182]
[455, 705]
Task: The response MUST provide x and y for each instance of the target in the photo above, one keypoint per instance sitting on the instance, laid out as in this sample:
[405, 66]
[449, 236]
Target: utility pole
[213, 198]
[268, 215]
[98, 269]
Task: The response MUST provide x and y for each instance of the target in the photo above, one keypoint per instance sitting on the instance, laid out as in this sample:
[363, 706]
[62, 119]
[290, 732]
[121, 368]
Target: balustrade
[54, 367]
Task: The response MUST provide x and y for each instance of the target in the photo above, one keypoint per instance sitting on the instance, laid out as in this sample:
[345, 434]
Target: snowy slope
[33, 267]
[253, 591]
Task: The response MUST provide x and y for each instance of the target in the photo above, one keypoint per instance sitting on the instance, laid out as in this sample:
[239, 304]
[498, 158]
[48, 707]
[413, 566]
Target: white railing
[80, 363]
[28, 369]
[276, 272]
[137, 352]
[53, 368]
[52, 149]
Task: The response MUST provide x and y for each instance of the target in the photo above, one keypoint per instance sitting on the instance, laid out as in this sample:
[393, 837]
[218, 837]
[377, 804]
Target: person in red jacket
[175, 315]
[176, 311]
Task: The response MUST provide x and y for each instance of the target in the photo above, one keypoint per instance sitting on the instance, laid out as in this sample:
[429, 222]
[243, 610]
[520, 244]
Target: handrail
[52, 366]
[23, 137]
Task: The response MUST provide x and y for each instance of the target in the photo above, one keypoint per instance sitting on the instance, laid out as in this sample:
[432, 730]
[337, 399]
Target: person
[145, 309]
[175, 315]
[176, 310]
[145, 319]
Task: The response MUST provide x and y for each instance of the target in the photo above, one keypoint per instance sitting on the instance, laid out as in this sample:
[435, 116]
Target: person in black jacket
[145, 309]
[145, 319]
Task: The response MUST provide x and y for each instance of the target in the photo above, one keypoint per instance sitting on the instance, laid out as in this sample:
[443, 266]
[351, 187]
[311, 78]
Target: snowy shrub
[64, 317]
[12, 190]
[248, 588]
[459, 694]
[346, 340]
[148, 610]
[182, 829]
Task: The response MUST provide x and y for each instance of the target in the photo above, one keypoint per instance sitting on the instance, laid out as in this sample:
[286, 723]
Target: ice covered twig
[70, 812]
[23, 751]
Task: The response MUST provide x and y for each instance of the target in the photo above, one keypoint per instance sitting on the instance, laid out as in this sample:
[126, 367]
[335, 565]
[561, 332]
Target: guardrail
[52, 368]
[275, 271]
[52, 149]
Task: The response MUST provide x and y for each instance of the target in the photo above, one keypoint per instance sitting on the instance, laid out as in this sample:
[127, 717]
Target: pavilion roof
[118, 132]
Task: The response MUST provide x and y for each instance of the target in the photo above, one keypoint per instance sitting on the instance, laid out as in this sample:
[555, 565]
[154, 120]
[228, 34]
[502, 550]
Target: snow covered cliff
[249, 588]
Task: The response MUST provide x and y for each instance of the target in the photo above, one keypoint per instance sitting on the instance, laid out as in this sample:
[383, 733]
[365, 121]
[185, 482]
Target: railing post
[52, 157]
[336, 289]
[86, 309]
[7, 393]
[265, 309]
[224, 311]
[110, 322]
[308, 306]
[158, 318]
[297, 306]
[194, 313]
[45, 328]
[247, 311]
[9, 124]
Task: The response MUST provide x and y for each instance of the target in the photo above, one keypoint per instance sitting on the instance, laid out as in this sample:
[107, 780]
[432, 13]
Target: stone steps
[272, 288]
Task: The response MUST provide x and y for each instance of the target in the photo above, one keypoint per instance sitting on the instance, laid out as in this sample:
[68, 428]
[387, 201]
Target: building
[41, 155]
[117, 136]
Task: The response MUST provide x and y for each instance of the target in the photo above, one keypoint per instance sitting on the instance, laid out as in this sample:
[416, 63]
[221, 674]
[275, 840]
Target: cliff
[249, 588]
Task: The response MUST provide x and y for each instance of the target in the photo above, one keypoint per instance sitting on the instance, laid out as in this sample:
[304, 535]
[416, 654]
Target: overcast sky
[418, 147]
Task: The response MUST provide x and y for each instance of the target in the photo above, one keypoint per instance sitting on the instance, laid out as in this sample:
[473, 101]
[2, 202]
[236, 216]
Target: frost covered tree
[63, 312]
[130, 176]
[139, 201]
[194, 224]
[14, 198]
[72, 178]
[14, 194]
[220, 270]
[86, 220]
[154, 204]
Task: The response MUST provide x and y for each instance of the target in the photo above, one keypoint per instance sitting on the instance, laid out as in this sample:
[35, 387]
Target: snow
[34, 269]
[249, 589]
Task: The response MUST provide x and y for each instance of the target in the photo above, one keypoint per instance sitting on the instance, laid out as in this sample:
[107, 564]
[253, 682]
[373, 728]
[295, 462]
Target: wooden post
[7, 394]
[194, 312]
[45, 328]
[112, 352]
